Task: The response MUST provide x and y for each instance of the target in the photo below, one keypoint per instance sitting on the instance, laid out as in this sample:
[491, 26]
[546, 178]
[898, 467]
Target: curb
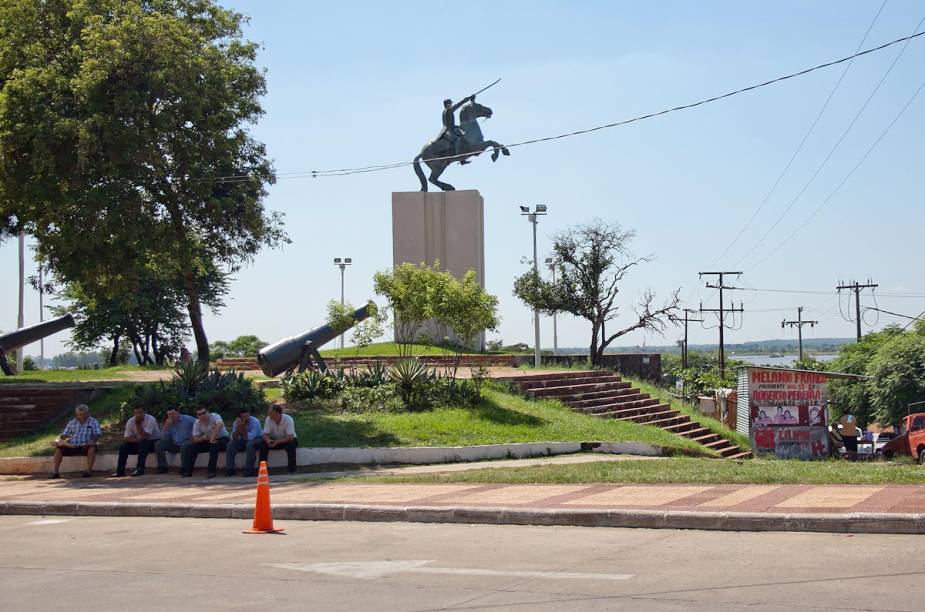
[410, 455]
[881, 523]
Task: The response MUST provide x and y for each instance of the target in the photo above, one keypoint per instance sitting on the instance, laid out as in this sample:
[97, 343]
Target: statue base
[444, 226]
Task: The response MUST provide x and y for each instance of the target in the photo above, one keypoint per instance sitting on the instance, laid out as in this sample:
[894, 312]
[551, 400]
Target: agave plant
[188, 376]
[411, 378]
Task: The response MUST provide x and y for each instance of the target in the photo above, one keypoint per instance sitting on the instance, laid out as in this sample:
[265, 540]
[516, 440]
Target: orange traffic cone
[263, 514]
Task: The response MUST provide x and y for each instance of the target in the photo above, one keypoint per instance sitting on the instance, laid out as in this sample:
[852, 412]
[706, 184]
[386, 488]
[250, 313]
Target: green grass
[105, 408]
[499, 418]
[683, 470]
[384, 349]
[713, 425]
[116, 373]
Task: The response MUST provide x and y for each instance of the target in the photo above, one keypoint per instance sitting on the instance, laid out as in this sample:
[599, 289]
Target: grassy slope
[383, 349]
[105, 408]
[500, 418]
[115, 373]
[686, 471]
[713, 425]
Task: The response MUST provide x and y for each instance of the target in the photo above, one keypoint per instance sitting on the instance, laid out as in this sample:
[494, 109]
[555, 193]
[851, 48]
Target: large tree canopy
[116, 116]
[591, 262]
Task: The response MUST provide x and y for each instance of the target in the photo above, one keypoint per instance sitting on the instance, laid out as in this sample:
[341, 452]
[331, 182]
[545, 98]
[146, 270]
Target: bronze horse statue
[439, 153]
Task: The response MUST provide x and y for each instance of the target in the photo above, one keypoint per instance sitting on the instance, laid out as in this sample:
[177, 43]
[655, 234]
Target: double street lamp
[342, 264]
[533, 217]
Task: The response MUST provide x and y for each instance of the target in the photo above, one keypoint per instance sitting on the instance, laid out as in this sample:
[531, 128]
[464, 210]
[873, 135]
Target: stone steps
[602, 394]
[25, 409]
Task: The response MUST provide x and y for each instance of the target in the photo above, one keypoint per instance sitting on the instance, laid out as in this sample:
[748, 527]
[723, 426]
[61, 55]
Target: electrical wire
[838, 187]
[806, 136]
[831, 152]
[378, 167]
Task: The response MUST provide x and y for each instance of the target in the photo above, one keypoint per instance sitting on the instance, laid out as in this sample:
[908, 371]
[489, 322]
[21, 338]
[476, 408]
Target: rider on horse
[450, 130]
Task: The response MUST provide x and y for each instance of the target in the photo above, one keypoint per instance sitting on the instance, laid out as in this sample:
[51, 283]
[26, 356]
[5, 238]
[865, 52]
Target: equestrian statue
[456, 142]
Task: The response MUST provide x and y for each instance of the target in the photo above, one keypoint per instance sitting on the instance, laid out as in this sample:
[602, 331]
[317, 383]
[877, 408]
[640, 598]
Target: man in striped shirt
[78, 439]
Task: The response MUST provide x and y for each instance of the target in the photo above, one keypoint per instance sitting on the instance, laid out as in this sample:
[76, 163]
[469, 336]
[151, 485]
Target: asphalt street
[97, 563]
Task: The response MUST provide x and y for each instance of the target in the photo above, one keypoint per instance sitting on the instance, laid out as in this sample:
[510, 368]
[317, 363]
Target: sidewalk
[851, 509]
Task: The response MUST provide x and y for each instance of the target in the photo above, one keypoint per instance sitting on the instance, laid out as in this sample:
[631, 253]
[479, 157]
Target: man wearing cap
[78, 439]
[141, 436]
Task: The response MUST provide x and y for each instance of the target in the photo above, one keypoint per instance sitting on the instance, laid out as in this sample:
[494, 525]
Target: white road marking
[50, 521]
[380, 569]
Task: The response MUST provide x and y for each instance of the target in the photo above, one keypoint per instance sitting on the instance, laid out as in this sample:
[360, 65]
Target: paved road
[157, 564]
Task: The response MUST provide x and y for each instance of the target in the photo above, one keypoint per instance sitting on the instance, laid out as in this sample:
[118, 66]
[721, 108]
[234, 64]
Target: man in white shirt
[209, 434]
[279, 434]
[141, 434]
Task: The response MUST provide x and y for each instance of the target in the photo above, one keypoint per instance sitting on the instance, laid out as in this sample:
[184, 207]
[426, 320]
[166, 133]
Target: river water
[780, 362]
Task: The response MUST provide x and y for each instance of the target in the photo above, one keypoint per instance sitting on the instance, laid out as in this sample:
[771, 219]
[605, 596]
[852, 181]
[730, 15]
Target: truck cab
[910, 440]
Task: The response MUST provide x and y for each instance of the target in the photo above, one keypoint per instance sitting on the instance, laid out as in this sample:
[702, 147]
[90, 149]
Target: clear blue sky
[352, 84]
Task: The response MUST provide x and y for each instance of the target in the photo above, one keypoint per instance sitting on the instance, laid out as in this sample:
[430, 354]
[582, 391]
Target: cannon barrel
[34, 333]
[286, 353]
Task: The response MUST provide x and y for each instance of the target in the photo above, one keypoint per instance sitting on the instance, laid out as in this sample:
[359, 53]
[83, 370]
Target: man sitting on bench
[279, 434]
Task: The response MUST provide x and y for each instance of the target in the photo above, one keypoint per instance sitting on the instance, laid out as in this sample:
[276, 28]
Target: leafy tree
[897, 375]
[368, 330]
[113, 116]
[592, 260]
[246, 346]
[28, 364]
[408, 289]
[466, 310]
[853, 396]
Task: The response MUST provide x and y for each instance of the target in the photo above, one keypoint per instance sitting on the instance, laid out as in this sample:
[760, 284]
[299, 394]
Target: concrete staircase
[30, 407]
[603, 394]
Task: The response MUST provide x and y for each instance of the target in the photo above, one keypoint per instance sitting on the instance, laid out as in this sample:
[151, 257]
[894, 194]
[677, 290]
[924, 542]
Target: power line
[375, 168]
[851, 172]
[831, 152]
[806, 136]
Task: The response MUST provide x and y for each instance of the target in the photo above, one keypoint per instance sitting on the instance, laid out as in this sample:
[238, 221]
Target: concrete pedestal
[444, 226]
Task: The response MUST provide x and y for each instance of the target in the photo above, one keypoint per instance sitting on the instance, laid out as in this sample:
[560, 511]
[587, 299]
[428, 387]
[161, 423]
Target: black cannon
[300, 351]
[28, 335]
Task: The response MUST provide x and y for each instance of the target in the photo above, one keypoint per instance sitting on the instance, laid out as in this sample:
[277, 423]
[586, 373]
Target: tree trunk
[114, 356]
[595, 358]
[195, 317]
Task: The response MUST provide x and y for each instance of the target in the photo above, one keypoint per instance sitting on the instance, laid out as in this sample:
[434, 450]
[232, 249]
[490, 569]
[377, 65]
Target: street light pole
[41, 317]
[550, 262]
[342, 264]
[532, 217]
[22, 297]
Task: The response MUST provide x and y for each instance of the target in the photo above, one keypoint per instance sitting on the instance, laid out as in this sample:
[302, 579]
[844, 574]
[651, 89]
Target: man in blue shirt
[78, 439]
[177, 429]
[245, 434]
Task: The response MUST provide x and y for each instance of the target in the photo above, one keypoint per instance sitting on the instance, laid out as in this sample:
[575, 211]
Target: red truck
[910, 441]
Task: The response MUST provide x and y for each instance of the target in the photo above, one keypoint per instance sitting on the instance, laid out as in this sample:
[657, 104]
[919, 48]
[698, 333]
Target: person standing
[279, 434]
[177, 429]
[209, 434]
[849, 434]
[245, 436]
[141, 436]
[78, 439]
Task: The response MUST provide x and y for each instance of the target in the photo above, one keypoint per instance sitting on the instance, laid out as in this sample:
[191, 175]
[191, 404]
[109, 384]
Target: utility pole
[857, 288]
[551, 264]
[342, 264]
[685, 353]
[799, 323]
[721, 313]
[533, 218]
